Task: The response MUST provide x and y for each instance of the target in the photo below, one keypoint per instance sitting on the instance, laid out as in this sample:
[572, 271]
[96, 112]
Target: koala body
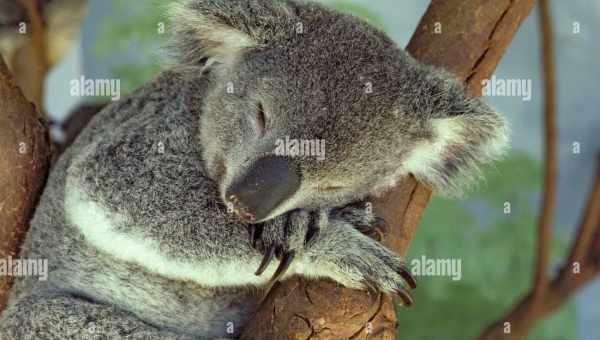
[136, 220]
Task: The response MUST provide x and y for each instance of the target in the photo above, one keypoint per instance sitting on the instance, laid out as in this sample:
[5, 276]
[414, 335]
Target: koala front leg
[329, 243]
[213, 249]
[57, 315]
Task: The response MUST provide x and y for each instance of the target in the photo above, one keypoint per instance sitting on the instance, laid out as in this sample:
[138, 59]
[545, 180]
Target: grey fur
[154, 167]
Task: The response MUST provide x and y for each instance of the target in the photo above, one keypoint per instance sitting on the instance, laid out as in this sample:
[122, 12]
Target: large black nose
[270, 181]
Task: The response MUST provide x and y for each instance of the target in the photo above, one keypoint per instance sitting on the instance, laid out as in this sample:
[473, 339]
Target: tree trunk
[24, 161]
[468, 38]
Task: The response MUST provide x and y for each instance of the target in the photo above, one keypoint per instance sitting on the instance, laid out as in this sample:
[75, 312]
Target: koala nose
[270, 181]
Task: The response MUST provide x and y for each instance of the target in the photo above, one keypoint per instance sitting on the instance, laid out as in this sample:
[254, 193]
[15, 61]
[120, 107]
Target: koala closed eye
[330, 188]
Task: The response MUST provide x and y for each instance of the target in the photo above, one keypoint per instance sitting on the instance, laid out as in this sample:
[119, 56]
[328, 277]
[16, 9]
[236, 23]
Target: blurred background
[122, 39]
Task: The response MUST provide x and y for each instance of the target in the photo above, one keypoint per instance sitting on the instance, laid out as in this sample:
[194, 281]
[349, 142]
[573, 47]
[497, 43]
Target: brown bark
[546, 218]
[24, 161]
[474, 35]
[584, 242]
[30, 62]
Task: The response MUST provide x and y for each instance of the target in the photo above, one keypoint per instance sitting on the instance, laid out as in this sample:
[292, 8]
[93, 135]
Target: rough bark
[24, 161]
[30, 62]
[474, 35]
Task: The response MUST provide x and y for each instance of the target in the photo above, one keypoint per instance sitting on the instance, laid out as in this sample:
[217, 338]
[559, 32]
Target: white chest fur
[98, 226]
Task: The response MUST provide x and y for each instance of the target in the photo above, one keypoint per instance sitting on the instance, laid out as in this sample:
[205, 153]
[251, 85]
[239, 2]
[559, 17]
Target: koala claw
[261, 238]
[255, 232]
[269, 254]
[377, 230]
[311, 235]
[407, 276]
[286, 261]
[404, 295]
[402, 292]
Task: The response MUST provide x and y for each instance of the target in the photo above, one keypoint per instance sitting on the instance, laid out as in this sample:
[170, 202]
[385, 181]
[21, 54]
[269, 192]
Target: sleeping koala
[172, 211]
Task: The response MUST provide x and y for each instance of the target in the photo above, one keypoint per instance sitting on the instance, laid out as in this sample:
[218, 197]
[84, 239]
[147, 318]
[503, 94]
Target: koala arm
[331, 243]
[211, 247]
[317, 244]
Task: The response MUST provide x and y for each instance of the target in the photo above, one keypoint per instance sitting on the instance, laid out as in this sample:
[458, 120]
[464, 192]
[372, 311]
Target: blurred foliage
[131, 41]
[496, 249]
[497, 252]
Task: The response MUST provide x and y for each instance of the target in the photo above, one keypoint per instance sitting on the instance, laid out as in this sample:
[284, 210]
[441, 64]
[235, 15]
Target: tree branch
[475, 34]
[589, 225]
[24, 161]
[583, 262]
[30, 63]
[546, 218]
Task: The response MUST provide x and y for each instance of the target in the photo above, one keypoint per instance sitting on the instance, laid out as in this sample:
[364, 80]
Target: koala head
[310, 108]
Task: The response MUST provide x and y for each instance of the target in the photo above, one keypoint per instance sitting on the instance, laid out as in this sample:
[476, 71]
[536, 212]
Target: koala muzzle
[269, 182]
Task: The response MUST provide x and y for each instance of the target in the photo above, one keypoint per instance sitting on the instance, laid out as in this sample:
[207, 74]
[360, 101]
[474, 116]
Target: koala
[172, 213]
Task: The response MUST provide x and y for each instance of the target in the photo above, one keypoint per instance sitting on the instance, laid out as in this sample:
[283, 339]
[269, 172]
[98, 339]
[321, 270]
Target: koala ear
[464, 133]
[449, 162]
[220, 30]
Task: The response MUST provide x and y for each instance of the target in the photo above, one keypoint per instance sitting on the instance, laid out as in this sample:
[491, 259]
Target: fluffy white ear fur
[450, 162]
[214, 40]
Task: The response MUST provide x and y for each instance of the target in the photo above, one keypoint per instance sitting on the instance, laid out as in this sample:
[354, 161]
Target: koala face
[311, 108]
[279, 120]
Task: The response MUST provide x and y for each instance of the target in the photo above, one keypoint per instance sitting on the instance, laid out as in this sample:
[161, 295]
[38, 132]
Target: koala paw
[282, 237]
[373, 267]
[360, 215]
[359, 261]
